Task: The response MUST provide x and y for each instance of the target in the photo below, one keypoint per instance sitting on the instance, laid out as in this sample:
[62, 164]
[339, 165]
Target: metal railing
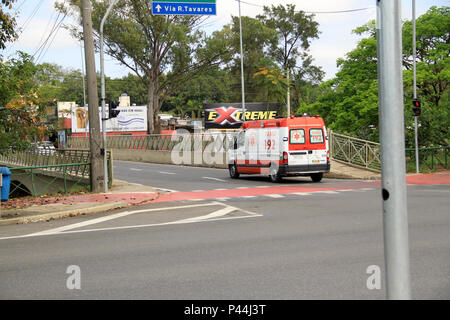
[34, 158]
[154, 142]
[68, 165]
[354, 151]
[430, 159]
[74, 176]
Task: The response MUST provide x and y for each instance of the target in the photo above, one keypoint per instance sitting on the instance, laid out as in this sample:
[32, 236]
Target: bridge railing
[63, 164]
[155, 142]
[354, 151]
[43, 179]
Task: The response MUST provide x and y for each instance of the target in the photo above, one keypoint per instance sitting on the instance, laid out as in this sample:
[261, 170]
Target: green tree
[23, 119]
[8, 24]
[295, 31]
[350, 105]
[433, 76]
[163, 51]
[349, 102]
[257, 40]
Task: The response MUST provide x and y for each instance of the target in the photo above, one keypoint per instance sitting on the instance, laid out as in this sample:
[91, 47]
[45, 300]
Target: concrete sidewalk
[121, 195]
[342, 171]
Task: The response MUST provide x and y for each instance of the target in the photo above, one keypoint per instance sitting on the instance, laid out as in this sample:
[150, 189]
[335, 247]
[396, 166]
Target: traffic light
[112, 112]
[416, 107]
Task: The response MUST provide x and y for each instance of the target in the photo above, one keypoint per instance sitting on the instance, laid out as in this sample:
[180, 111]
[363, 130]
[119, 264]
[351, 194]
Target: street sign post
[184, 7]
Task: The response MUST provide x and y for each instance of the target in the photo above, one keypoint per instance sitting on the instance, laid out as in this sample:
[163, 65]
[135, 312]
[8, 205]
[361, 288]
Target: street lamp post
[242, 63]
[102, 79]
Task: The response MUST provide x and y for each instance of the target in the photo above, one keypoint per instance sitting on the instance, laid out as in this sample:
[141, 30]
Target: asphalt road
[297, 245]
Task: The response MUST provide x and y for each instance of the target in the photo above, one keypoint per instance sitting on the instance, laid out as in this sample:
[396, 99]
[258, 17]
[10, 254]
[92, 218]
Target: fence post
[330, 142]
[65, 180]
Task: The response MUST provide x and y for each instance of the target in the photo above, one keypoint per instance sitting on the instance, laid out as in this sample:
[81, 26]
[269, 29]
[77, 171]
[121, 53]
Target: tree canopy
[7, 23]
[349, 102]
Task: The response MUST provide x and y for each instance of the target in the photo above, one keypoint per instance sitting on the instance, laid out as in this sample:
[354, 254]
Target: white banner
[129, 119]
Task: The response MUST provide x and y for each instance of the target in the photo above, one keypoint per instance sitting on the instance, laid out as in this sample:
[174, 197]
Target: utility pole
[415, 81]
[242, 63]
[94, 119]
[392, 146]
[102, 80]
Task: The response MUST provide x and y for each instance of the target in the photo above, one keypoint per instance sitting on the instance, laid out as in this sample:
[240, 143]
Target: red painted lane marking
[433, 178]
[235, 193]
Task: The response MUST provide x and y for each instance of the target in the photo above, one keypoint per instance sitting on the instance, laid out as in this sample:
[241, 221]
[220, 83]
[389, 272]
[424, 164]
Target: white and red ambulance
[295, 146]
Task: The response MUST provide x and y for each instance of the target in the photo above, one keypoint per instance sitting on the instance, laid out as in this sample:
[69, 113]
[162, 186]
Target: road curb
[65, 213]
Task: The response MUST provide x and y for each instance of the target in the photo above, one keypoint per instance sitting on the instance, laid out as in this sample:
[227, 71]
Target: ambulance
[294, 146]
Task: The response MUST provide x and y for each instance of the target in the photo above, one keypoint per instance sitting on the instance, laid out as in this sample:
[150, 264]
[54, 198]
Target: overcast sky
[38, 17]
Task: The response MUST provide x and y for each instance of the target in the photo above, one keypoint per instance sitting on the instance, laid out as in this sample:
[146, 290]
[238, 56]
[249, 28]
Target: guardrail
[68, 165]
[430, 159]
[354, 151]
[72, 174]
[154, 142]
[34, 158]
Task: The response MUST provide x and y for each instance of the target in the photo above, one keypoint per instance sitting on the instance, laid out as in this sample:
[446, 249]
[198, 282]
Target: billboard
[129, 119]
[230, 115]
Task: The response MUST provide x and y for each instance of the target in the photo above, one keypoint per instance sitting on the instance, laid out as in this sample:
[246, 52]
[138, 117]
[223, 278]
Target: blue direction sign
[184, 7]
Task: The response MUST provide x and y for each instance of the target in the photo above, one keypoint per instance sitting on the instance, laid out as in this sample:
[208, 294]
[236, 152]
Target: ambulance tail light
[328, 155]
[285, 158]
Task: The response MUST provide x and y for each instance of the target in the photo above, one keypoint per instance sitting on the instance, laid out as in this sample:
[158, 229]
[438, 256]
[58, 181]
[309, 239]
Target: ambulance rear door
[317, 148]
[298, 157]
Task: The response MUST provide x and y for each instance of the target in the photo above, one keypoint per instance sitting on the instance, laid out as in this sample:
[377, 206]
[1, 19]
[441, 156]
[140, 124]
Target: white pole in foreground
[392, 138]
[242, 63]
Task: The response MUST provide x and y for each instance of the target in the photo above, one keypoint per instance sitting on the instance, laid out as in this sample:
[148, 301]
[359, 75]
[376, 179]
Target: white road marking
[274, 195]
[165, 172]
[134, 169]
[302, 193]
[216, 179]
[327, 192]
[159, 224]
[218, 215]
[111, 217]
[213, 215]
[168, 190]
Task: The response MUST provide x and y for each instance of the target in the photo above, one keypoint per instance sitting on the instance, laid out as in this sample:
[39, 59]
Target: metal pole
[415, 80]
[288, 93]
[102, 79]
[392, 138]
[242, 63]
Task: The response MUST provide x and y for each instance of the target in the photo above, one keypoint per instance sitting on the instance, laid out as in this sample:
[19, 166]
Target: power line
[49, 35]
[313, 12]
[53, 33]
[36, 9]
